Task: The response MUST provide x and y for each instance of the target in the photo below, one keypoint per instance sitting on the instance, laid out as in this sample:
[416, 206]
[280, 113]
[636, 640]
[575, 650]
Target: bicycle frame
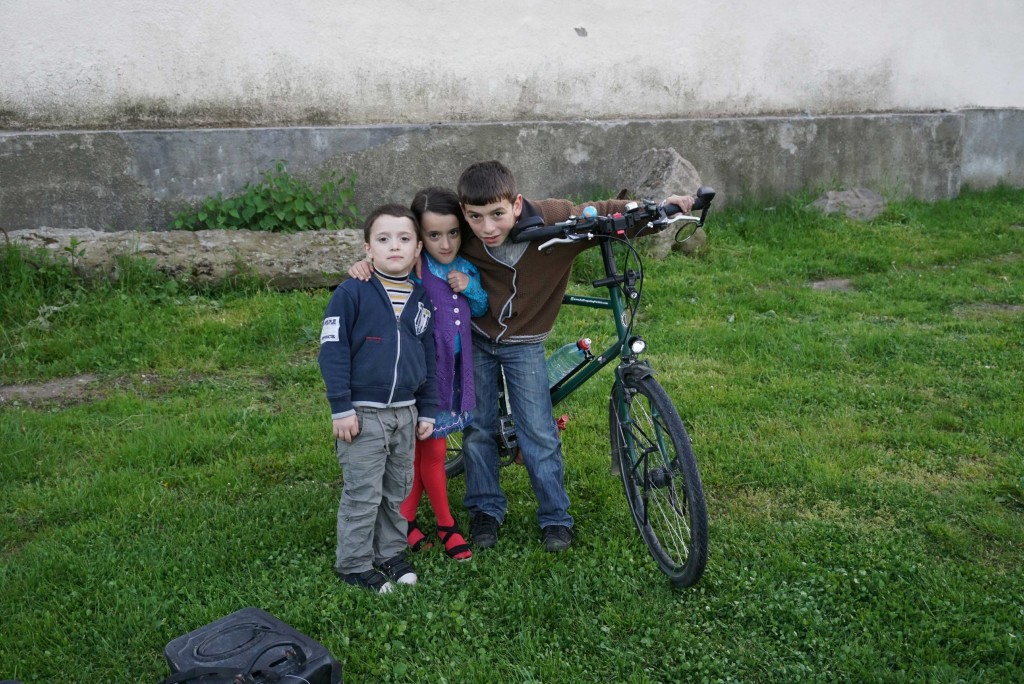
[616, 283]
[569, 384]
[619, 286]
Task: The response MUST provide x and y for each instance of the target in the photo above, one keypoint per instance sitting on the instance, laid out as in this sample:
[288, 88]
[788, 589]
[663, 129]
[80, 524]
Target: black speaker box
[249, 646]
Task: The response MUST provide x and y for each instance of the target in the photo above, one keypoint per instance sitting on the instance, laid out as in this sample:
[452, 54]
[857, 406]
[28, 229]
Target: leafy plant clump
[279, 203]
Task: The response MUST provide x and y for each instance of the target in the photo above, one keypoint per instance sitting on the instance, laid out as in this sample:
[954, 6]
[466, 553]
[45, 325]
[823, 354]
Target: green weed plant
[278, 203]
[853, 391]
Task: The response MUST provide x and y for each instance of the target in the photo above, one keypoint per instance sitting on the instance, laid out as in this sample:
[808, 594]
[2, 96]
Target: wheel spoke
[454, 462]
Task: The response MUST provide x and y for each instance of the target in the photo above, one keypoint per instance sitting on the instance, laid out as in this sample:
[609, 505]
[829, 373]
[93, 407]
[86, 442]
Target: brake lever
[568, 240]
[666, 221]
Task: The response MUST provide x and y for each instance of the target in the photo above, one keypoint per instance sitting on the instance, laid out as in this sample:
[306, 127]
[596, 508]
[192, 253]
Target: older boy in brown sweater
[525, 288]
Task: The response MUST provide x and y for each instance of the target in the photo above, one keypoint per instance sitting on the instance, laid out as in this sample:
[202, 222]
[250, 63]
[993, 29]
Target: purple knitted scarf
[449, 308]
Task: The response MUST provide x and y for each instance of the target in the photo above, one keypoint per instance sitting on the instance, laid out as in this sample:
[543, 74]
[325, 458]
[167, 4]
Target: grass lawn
[165, 459]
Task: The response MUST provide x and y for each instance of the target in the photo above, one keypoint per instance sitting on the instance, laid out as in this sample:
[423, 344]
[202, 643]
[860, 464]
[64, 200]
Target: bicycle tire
[454, 461]
[660, 478]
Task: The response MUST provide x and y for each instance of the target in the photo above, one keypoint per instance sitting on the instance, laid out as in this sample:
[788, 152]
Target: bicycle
[650, 447]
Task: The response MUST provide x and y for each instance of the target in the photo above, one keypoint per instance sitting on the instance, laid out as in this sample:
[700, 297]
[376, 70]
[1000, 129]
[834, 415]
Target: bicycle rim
[660, 478]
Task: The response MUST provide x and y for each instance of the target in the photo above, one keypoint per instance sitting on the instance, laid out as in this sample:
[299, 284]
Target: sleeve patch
[329, 333]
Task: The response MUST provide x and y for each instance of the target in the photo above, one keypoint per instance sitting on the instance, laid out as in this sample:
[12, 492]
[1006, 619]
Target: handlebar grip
[702, 201]
[704, 196]
[541, 233]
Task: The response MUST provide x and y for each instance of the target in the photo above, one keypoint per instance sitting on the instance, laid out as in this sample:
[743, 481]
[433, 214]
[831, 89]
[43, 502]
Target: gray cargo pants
[377, 470]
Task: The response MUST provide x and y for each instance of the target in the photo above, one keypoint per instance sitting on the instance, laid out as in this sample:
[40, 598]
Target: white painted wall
[101, 62]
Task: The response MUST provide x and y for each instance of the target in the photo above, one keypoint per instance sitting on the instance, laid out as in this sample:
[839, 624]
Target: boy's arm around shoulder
[555, 210]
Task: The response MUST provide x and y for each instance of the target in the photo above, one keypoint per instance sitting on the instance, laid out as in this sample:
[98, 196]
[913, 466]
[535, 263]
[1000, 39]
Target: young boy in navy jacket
[378, 364]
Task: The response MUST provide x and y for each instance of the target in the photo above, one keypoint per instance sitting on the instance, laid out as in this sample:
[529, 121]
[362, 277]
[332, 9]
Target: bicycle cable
[632, 304]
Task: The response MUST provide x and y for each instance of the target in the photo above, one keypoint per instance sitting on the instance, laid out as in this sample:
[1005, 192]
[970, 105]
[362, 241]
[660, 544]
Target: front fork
[627, 374]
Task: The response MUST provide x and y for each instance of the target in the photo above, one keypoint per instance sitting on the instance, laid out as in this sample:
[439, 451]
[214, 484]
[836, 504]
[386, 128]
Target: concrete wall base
[128, 180]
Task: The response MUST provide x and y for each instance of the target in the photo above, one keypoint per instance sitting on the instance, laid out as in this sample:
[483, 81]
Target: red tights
[429, 476]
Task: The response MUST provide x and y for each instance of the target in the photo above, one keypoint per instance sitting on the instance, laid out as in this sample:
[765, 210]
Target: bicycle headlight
[637, 344]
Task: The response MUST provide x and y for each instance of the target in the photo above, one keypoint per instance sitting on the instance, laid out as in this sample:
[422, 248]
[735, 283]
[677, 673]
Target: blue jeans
[526, 375]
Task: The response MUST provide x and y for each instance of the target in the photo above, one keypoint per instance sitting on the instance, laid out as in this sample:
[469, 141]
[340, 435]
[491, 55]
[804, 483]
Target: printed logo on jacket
[422, 318]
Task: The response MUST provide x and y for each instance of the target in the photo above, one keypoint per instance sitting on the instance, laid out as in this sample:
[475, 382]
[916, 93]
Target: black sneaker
[371, 579]
[483, 529]
[557, 538]
[398, 570]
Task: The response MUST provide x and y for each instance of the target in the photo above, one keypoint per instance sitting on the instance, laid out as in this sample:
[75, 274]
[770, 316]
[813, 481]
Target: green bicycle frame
[614, 302]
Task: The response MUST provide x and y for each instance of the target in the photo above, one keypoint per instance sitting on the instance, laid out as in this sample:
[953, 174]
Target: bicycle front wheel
[659, 474]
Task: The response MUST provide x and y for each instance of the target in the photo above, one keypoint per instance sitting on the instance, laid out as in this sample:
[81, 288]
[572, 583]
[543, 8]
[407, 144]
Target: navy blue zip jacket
[368, 358]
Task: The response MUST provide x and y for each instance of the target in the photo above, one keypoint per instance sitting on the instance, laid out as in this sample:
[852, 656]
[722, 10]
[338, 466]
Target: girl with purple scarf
[453, 285]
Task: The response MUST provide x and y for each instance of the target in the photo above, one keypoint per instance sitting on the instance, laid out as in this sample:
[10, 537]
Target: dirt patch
[983, 310]
[63, 391]
[834, 284]
[66, 392]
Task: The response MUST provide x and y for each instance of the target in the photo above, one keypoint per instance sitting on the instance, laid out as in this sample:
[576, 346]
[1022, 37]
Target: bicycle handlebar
[585, 227]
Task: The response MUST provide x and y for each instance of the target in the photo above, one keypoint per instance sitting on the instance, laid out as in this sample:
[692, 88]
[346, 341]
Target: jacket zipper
[398, 356]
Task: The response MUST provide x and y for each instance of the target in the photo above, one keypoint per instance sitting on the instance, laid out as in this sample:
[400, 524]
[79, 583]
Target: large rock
[656, 174]
[285, 261]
